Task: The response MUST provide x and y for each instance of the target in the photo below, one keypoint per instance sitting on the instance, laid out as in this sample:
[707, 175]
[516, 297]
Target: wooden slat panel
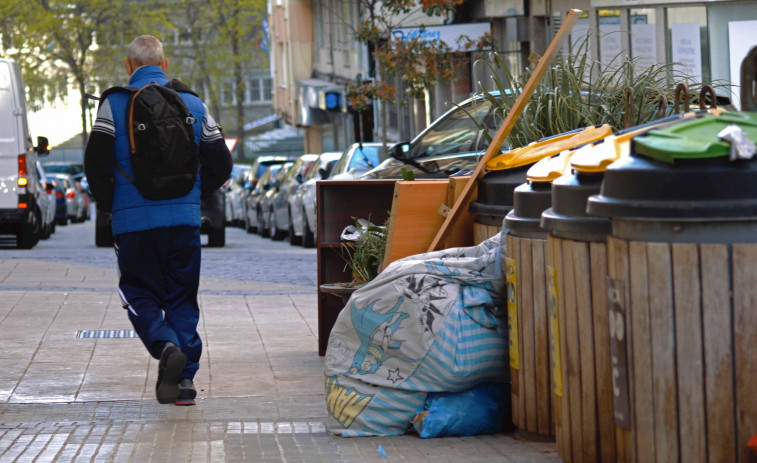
[566, 451]
[602, 360]
[582, 275]
[718, 353]
[688, 329]
[482, 232]
[552, 312]
[479, 232]
[664, 376]
[512, 252]
[526, 309]
[745, 340]
[461, 230]
[617, 267]
[573, 372]
[642, 352]
[521, 345]
[544, 424]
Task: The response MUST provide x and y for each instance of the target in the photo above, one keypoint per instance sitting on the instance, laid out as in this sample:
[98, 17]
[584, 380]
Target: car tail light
[22, 171]
[22, 205]
[70, 194]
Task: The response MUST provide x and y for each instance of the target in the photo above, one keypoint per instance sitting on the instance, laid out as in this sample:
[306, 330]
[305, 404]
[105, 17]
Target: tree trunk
[240, 86]
[84, 105]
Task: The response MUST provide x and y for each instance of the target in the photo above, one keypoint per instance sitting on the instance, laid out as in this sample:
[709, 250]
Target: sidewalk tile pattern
[260, 388]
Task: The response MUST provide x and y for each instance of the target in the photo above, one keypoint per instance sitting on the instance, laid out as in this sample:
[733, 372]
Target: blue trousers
[158, 282]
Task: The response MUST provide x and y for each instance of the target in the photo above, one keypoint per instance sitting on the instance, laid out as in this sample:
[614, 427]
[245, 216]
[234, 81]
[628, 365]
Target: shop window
[580, 34]
[687, 43]
[610, 37]
[643, 37]
[731, 35]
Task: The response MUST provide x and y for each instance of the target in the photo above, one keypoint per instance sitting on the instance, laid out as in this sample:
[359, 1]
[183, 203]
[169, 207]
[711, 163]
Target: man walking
[157, 241]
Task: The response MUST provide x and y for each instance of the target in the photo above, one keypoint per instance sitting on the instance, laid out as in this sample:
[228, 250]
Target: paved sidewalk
[260, 384]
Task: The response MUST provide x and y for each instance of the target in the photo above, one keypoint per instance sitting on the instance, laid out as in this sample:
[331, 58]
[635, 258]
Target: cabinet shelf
[339, 203]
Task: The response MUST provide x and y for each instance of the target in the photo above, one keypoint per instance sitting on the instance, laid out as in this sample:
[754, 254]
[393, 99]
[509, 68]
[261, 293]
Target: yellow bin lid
[548, 169]
[546, 147]
[597, 156]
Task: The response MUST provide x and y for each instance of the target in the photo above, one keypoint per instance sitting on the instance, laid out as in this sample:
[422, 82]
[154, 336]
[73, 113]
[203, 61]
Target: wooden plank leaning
[507, 125]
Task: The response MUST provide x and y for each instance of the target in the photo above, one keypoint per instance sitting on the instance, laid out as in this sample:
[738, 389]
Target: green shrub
[578, 92]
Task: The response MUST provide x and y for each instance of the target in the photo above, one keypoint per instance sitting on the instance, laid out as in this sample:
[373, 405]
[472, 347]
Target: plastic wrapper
[483, 409]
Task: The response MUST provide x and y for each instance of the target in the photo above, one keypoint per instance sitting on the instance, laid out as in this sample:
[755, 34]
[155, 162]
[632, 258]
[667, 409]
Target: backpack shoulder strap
[180, 86]
[116, 89]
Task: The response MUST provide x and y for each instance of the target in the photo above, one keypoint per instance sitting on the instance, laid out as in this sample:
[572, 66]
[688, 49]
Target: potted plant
[365, 254]
[363, 249]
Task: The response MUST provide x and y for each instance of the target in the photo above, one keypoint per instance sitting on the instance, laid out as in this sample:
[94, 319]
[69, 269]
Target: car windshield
[454, 133]
[265, 178]
[261, 168]
[365, 158]
[238, 172]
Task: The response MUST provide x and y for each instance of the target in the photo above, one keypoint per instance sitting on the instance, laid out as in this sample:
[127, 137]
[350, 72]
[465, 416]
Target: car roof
[331, 155]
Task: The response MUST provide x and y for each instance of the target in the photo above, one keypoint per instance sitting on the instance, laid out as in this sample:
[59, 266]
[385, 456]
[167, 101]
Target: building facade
[313, 53]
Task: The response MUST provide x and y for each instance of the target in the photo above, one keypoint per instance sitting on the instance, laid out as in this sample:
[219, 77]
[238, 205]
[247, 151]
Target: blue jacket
[131, 211]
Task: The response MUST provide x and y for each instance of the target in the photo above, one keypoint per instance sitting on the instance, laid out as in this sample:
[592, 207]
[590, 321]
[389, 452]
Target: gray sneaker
[172, 363]
[187, 392]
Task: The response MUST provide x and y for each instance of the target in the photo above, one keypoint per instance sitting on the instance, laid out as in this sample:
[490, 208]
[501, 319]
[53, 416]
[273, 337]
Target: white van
[20, 185]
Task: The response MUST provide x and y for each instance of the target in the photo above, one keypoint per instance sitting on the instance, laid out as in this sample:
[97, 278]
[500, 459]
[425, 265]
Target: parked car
[265, 201]
[278, 222]
[85, 198]
[358, 159]
[260, 164]
[74, 169]
[254, 211]
[453, 144]
[257, 169]
[302, 204]
[85, 186]
[20, 213]
[61, 208]
[235, 193]
[75, 202]
[46, 196]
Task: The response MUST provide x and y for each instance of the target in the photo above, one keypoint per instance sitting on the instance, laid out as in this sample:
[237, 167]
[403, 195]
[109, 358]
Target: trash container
[577, 302]
[682, 288]
[526, 273]
[495, 200]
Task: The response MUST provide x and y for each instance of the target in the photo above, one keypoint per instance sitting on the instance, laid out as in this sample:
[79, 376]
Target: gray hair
[146, 50]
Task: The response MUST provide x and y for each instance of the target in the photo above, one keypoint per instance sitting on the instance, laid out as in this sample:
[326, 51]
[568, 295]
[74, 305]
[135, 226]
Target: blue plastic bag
[483, 409]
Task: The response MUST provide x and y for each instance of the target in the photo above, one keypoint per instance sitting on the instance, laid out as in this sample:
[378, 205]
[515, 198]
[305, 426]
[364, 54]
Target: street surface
[75, 386]
[240, 259]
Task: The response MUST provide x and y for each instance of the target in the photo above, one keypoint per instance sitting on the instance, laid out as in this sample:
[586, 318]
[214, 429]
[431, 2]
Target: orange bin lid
[546, 147]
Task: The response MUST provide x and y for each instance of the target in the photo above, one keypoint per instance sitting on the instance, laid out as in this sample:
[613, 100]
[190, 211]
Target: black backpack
[164, 156]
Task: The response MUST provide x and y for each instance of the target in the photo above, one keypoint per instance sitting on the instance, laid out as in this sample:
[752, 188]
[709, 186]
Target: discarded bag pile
[428, 324]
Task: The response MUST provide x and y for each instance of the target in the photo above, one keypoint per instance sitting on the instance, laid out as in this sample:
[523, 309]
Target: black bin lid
[496, 191]
[639, 187]
[682, 172]
[531, 199]
[567, 217]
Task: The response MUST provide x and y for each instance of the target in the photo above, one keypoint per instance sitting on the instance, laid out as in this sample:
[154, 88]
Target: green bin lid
[693, 139]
